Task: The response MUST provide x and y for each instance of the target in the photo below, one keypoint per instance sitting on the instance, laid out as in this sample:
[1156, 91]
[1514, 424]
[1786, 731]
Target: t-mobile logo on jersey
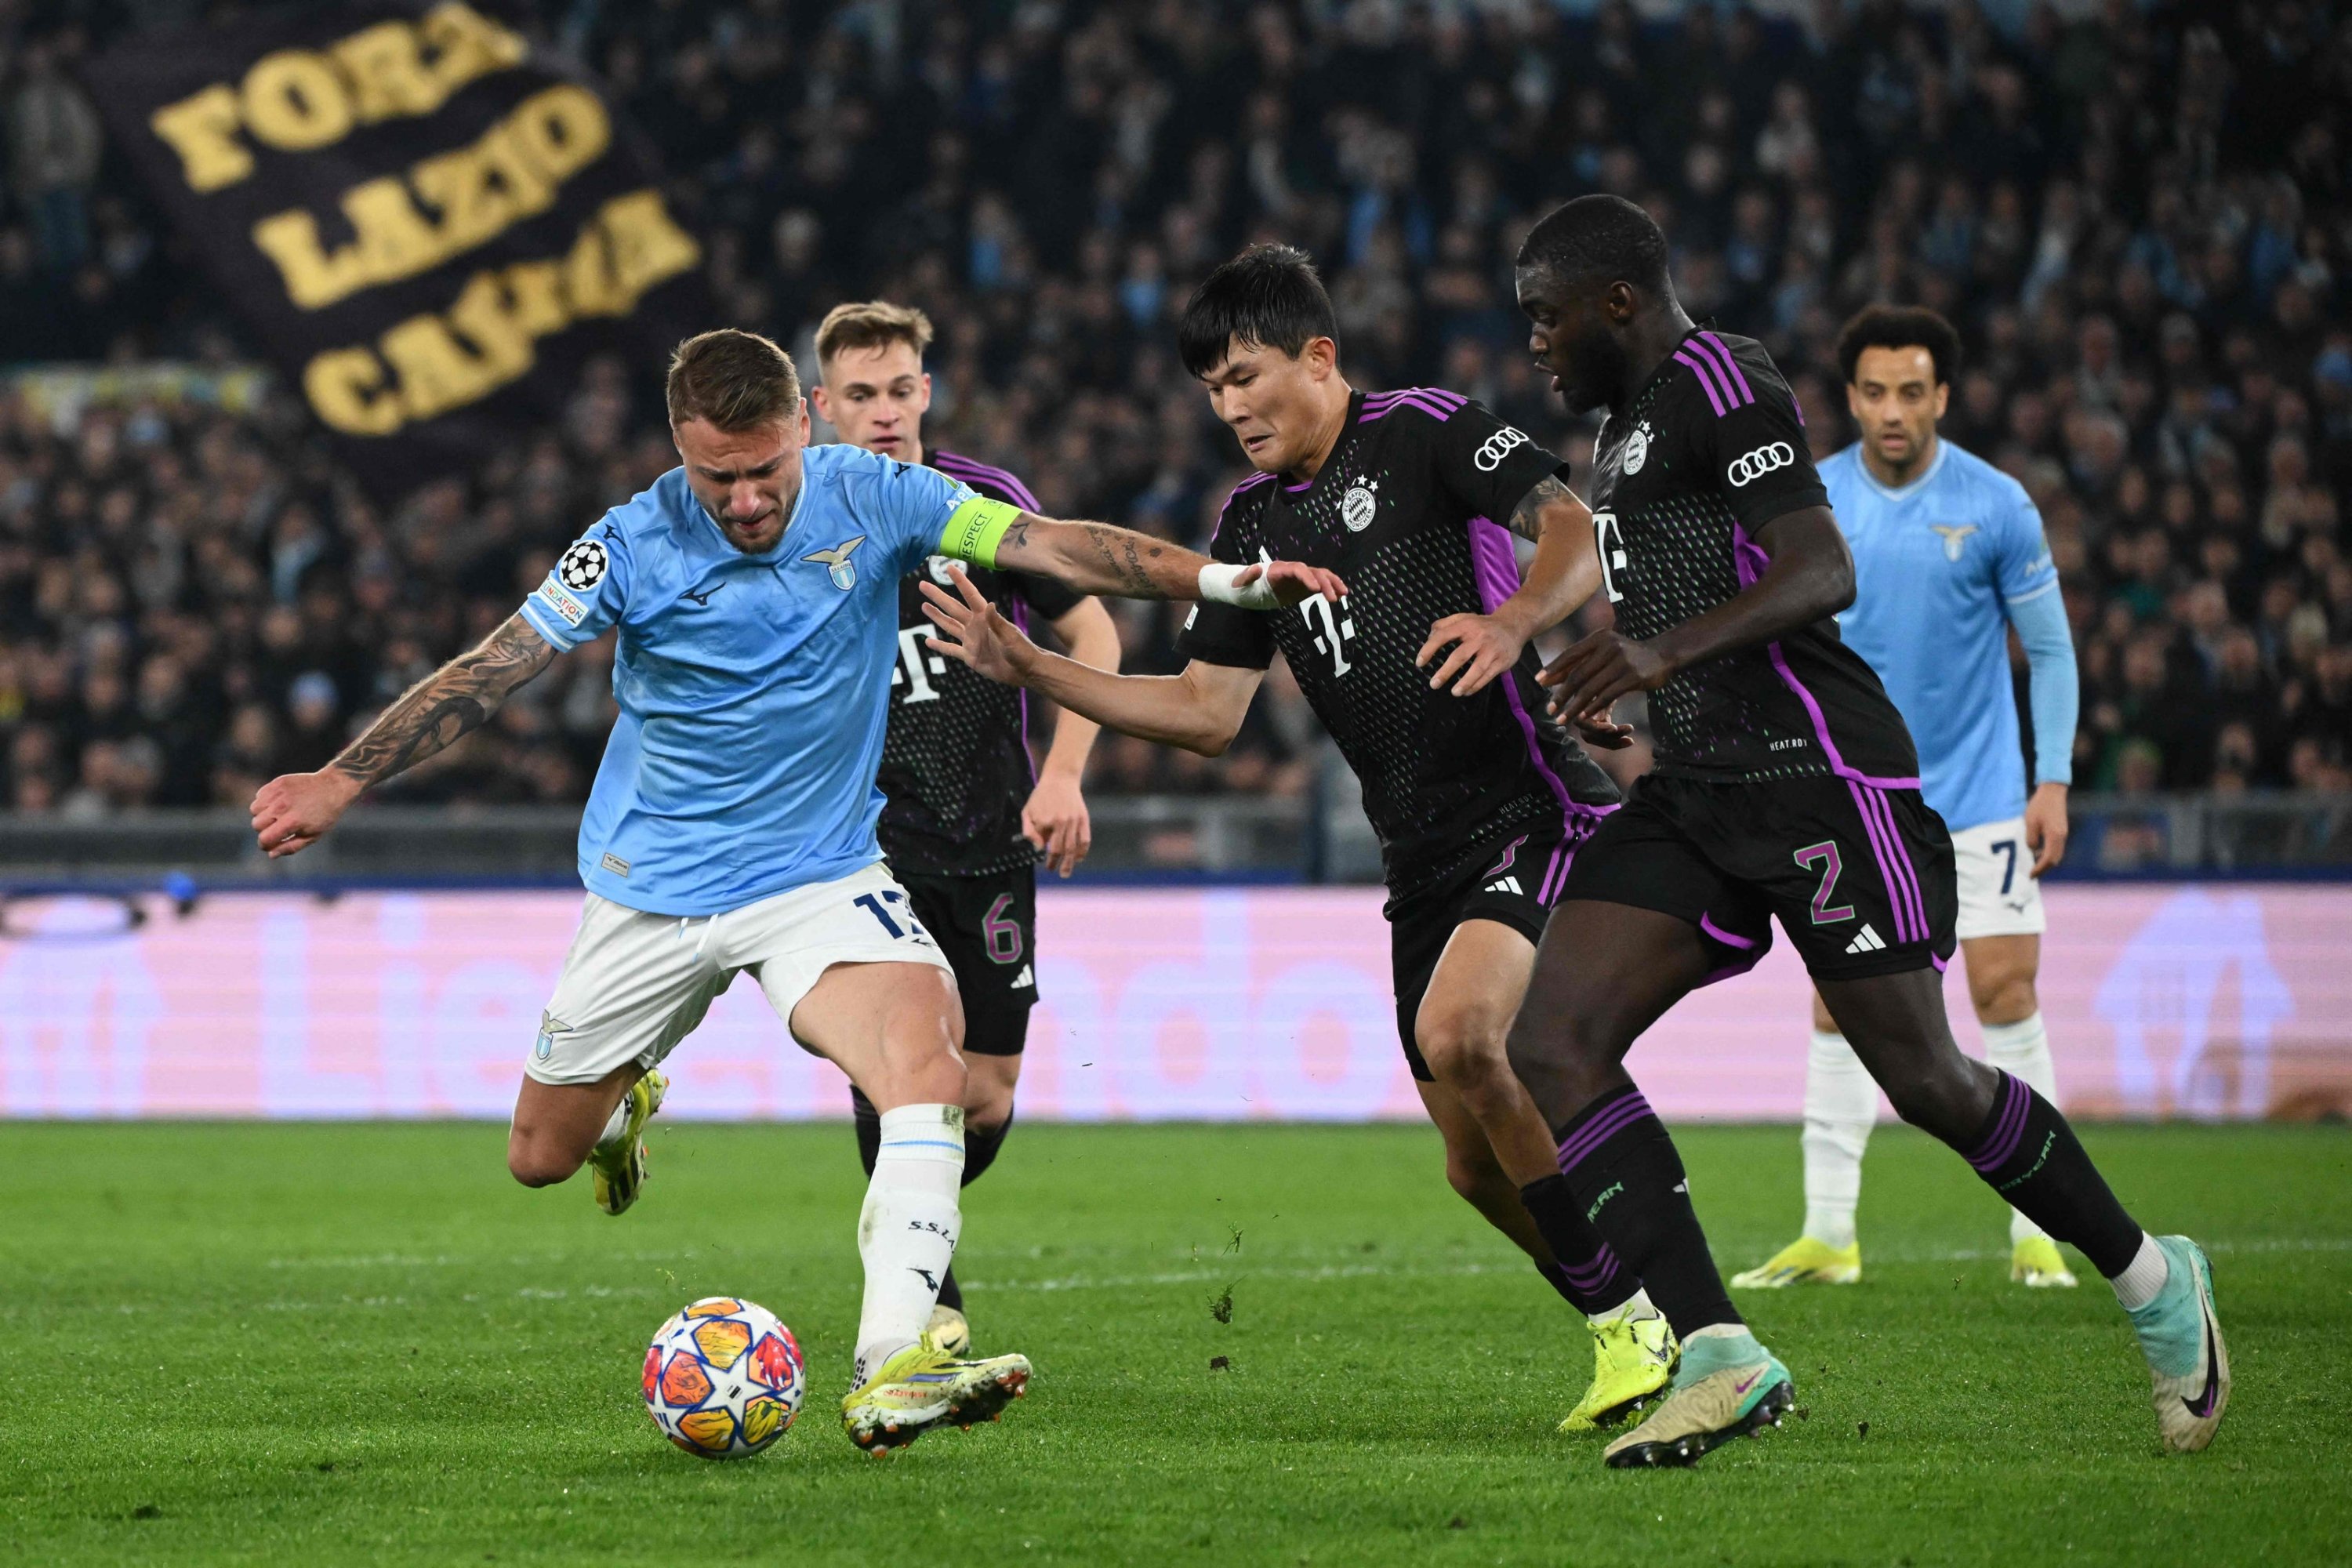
[1331, 627]
[916, 664]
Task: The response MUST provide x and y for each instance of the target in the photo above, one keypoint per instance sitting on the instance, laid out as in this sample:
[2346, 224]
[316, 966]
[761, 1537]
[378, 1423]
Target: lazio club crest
[837, 563]
[1955, 539]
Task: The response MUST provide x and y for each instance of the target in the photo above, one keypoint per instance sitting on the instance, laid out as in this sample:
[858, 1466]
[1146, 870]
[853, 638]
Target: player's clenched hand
[971, 630]
[1483, 648]
[1295, 582]
[292, 811]
[2046, 826]
[1599, 670]
[1056, 821]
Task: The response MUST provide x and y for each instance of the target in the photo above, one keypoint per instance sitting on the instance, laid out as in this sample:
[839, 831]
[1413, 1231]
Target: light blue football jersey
[1936, 562]
[753, 689]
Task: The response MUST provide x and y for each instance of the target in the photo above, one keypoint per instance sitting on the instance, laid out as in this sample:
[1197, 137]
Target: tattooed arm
[1565, 572]
[1096, 558]
[290, 813]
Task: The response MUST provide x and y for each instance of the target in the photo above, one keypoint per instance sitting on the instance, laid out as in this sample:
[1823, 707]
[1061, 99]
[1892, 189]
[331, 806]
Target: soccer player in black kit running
[965, 815]
[1479, 797]
[1785, 786]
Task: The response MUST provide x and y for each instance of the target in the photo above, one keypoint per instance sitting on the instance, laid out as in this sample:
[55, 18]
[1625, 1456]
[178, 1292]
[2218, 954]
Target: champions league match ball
[723, 1378]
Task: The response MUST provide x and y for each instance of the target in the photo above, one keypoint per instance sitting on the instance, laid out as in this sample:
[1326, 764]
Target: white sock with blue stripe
[907, 1232]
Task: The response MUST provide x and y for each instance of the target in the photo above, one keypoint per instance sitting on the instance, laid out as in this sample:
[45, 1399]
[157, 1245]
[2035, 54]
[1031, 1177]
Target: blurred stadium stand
[2137, 214]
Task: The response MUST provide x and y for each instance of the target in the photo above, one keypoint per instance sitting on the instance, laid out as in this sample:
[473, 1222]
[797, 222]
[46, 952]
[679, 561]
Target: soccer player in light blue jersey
[1948, 558]
[754, 590]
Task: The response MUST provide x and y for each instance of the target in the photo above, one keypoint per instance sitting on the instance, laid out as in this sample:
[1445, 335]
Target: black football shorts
[987, 927]
[1514, 878]
[1860, 877]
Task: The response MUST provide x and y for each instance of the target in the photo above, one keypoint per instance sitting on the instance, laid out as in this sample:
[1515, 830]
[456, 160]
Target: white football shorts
[2000, 894]
[635, 984]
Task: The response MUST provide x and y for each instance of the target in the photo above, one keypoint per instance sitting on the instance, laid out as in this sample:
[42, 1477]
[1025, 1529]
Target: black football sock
[2027, 1153]
[1624, 1171]
[869, 1127]
[980, 1147]
[1587, 1275]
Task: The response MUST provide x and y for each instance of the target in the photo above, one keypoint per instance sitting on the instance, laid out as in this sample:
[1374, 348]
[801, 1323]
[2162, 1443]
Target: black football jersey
[1709, 451]
[956, 769]
[1403, 511]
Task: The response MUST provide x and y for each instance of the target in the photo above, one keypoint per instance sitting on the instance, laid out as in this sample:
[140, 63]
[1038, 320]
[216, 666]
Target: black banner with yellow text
[428, 225]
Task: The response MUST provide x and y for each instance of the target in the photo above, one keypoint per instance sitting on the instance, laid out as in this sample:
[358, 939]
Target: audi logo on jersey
[1495, 448]
[1751, 466]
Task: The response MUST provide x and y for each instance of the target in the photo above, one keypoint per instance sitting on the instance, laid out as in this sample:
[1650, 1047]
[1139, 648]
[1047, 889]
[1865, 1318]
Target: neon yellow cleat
[618, 1165]
[920, 1388]
[1633, 1355]
[2035, 1263]
[949, 1331]
[1804, 1261]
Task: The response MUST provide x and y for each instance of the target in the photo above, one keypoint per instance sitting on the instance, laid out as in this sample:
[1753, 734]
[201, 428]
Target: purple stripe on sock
[1579, 1145]
[1595, 1275]
[1995, 1151]
[1904, 870]
[1731, 371]
[1705, 380]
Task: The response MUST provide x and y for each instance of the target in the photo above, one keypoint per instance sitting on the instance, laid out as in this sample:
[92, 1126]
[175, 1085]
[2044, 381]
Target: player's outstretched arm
[291, 812]
[1096, 558]
[1200, 711]
[1809, 574]
[1054, 818]
[1565, 572]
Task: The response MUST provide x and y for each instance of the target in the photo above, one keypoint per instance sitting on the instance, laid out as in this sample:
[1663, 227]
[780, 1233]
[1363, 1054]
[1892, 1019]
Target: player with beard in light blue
[1949, 557]
[754, 593]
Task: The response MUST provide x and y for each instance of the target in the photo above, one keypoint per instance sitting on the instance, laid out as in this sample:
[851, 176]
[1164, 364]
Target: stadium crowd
[2139, 221]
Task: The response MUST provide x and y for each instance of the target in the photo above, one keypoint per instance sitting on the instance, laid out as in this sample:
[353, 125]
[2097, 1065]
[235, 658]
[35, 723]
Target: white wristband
[1217, 587]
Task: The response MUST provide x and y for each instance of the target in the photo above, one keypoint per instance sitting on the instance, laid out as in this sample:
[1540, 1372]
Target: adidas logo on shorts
[1866, 941]
[1506, 885]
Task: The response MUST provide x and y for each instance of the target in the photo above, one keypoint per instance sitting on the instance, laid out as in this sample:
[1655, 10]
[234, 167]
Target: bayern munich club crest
[1357, 507]
[583, 566]
[1637, 448]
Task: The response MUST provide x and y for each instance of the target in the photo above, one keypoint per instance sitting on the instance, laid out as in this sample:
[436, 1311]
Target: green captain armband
[975, 529]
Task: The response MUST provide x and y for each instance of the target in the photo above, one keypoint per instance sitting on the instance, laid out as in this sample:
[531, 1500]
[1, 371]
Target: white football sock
[2022, 1050]
[1637, 1304]
[1841, 1106]
[2138, 1284]
[907, 1232]
[618, 1124]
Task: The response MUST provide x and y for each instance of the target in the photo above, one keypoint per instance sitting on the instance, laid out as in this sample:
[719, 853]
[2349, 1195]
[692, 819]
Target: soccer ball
[723, 1378]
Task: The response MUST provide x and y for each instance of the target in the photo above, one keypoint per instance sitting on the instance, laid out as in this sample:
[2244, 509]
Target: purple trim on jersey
[1497, 572]
[2009, 1128]
[1250, 483]
[1940, 962]
[1745, 943]
[956, 466]
[1747, 953]
[1301, 485]
[1733, 376]
[1434, 401]
[1745, 554]
[1510, 855]
[1579, 1145]
[1691, 362]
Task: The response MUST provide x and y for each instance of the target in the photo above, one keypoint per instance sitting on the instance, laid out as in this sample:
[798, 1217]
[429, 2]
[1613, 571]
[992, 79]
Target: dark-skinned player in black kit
[1785, 787]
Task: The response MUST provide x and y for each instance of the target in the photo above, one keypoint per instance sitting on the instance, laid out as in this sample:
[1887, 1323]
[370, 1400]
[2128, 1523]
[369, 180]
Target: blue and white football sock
[2022, 1050]
[907, 1231]
[1841, 1107]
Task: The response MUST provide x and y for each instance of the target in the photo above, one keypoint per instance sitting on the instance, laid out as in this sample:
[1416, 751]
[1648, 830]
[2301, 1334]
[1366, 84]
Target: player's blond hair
[734, 379]
[871, 324]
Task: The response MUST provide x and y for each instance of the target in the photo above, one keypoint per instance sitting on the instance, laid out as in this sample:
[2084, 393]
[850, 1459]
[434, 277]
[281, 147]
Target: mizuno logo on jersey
[1750, 466]
[837, 563]
[1954, 539]
[1866, 941]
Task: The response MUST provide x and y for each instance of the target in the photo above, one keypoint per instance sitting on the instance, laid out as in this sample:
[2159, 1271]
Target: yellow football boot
[618, 1164]
[2035, 1263]
[1633, 1355]
[949, 1331]
[1804, 1261]
[921, 1387]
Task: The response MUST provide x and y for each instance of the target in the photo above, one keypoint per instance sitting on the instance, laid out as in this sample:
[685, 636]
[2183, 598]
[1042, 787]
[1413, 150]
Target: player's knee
[1472, 1171]
[1944, 1097]
[1466, 1055]
[538, 1164]
[2005, 998]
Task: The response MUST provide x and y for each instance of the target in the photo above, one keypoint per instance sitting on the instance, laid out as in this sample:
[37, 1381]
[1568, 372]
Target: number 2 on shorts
[1826, 855]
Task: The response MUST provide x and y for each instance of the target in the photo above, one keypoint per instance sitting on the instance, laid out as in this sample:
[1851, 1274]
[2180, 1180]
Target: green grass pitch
[364, 1344]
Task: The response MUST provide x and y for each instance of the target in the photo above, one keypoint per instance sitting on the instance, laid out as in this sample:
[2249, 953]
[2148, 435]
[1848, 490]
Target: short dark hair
[1900, 327]
[735, 379]
[1270, 296]
[1594, 241]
